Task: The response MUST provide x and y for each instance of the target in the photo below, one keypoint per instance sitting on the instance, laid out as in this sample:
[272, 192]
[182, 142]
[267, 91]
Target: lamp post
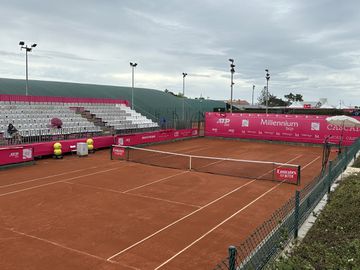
[232, 71]
[183, 103]
[27, 49]
[267, 76]
[133, 65]
[252, 96]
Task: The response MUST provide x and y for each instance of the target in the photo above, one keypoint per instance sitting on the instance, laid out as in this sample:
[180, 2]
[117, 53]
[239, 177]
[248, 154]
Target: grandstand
[95, 110]
[154, 104]
[32, 117]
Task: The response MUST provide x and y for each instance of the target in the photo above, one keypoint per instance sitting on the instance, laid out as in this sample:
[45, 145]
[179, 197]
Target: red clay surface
[94, 213]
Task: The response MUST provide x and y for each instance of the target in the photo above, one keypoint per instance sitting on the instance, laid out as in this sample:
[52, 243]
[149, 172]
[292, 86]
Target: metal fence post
[346, 157]
[299, 175]
[296, 216]
[232, 257]
[329, 176]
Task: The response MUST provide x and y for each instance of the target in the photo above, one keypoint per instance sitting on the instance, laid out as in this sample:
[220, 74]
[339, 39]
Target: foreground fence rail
[270, 238]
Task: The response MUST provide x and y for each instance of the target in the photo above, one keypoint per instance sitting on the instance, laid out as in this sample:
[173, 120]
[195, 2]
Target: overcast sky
[311, 47]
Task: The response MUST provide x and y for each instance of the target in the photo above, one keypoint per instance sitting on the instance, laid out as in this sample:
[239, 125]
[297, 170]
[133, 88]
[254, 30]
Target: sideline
[227, 219]
[188, 215]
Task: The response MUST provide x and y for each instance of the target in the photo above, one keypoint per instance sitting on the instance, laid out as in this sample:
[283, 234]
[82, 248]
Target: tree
[293, 98]
[298, 97]
[272, 101]
[169, 92]
[290, 97]
[262, 96]
[275, 101]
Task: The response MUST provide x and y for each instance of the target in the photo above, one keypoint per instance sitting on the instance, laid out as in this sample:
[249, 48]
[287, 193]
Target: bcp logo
[224, 121]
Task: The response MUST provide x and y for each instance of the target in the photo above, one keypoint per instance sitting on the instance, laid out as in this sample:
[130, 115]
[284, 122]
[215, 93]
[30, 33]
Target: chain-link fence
[269, 239]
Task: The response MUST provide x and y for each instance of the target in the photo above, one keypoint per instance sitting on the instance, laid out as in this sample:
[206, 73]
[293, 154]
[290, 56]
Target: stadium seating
[120, 117]
[33, 119]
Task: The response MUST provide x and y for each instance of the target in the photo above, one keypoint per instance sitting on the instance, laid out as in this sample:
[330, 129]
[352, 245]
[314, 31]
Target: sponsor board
[286, 174]
[13, 155]
[27, 154]
[155, 136]
[293, 128]
[118, 152]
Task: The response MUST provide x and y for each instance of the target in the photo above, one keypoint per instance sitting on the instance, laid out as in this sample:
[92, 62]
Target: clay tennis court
[97, 213]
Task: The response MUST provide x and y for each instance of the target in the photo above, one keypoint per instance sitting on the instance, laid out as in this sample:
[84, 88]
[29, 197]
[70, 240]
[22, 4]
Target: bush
[334, 240]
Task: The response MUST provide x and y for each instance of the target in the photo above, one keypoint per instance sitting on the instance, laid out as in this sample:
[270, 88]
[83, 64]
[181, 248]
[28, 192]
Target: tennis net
[266, 170]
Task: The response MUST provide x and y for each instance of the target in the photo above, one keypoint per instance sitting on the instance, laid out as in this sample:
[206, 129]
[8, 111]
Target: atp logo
[225, 121]
[14, 155]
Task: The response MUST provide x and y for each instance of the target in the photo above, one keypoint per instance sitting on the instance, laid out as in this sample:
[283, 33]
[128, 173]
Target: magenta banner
[155, 136]
[13, 155]
[289, 175]
[291, 128]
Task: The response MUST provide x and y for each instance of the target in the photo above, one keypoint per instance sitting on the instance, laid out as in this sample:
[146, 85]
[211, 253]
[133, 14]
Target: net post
[111, 152]
[127, 153]
[232, 257]
[298, 175]
[296, 214]
[346, 157]
[190, 163]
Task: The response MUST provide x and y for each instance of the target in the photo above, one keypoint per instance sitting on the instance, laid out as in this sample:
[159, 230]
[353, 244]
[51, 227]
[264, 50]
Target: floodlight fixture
[184, 74]
[232, 71]
[267, 77]
[27, 49]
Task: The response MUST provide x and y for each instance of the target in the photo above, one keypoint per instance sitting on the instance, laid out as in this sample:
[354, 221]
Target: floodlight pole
[267, 77]
[27, 49]
[183, 103]
[133, 65]
[232, 71]
[252, 96]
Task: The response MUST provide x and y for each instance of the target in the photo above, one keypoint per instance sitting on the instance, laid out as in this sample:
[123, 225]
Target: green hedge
[334, 240]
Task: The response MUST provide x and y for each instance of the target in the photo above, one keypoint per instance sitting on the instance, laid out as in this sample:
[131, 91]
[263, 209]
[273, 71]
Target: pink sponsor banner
[118, 152]
[11, 155]
[292, 128]
[286, 174]
[155, 136]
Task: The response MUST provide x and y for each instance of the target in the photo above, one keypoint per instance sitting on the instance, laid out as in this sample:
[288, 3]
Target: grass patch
[334, 240]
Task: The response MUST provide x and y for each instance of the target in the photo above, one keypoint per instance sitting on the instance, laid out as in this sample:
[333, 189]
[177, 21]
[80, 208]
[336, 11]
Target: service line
[227, 219]
[188, 215]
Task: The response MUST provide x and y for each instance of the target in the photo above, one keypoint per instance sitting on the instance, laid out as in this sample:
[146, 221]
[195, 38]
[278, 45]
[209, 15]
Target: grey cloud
[301, 42]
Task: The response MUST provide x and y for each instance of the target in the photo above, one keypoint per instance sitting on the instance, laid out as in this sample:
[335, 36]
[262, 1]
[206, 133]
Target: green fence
[269, 239]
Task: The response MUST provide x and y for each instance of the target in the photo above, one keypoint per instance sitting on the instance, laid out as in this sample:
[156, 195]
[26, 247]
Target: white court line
[148, 184]
[227, 219]
[61, 246]
[217, 226]
[45, 177]
[177, 221]
[188, 215]
[164, 200]
[132, 194]
[310, 163]
[60, 181]
[156, 181]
